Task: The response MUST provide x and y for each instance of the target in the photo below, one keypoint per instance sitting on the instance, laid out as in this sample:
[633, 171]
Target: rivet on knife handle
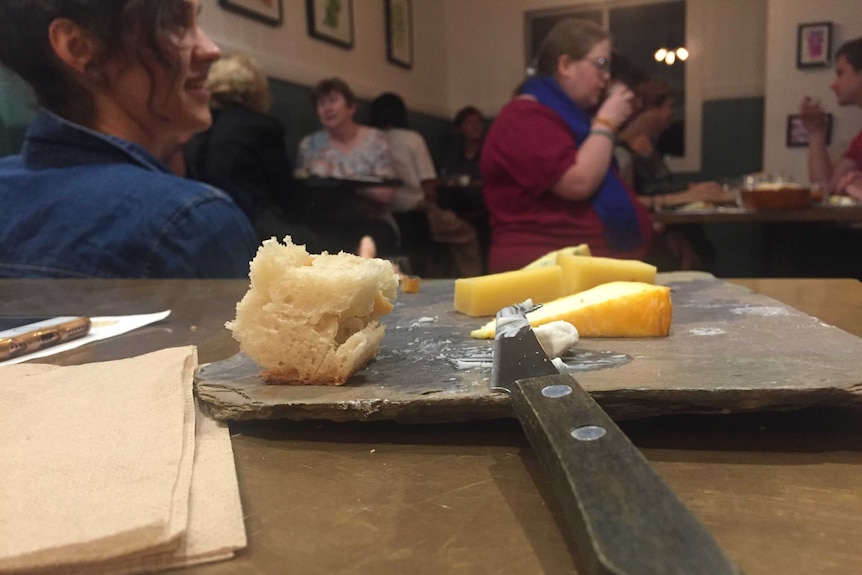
[625, 520]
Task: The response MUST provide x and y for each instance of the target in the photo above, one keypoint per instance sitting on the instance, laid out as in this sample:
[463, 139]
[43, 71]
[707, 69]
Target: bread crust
[312, 319]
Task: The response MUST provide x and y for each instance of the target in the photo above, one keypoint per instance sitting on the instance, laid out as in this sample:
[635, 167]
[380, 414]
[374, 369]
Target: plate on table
[776, 197]
[842, 201]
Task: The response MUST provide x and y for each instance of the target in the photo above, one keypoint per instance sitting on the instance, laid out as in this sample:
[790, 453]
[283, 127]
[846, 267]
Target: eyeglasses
[602, 64]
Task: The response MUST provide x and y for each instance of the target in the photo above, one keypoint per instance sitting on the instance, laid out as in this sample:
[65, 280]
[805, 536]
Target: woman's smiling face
[164, 99]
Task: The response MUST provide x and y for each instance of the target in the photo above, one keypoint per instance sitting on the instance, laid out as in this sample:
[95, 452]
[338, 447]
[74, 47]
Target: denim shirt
[78, 203]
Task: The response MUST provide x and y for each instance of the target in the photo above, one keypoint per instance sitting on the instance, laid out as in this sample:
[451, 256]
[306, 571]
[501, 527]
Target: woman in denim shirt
[121, 87]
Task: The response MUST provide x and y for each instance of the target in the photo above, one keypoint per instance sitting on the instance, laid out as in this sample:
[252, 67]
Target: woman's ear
[73, 45]
[563, 63]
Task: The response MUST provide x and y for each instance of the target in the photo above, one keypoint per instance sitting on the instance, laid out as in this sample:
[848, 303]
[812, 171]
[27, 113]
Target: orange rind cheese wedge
[615, 309]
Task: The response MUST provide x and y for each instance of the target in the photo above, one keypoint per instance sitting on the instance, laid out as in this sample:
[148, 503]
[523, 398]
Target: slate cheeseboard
[729, 349]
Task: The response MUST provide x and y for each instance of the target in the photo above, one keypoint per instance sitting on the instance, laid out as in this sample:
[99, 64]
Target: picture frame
[797, 135]
[331, 21]
[814, 45]
[399, 32]
[267, 11]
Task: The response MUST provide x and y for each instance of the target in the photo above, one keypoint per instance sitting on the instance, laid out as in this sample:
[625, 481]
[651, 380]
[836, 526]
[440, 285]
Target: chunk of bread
[616, 309]
[312, 319]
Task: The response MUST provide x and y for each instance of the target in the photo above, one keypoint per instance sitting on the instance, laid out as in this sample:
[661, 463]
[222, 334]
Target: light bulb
[660, 54]
[682, 54]
[670, 58]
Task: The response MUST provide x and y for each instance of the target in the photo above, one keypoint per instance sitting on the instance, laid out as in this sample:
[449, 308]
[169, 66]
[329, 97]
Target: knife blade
[623, 518]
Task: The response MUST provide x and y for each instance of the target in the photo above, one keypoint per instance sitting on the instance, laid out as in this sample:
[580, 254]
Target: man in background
[843, 177]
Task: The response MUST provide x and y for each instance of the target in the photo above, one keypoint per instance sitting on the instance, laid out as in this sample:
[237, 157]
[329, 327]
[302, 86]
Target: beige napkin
[105, 472]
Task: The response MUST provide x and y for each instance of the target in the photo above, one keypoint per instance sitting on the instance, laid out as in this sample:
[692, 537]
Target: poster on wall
[267, 11]
[331, 21]
[814, 45]
[399, 32]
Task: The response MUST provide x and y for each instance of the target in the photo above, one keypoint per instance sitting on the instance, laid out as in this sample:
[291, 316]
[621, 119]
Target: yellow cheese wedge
[616, 309]
[582, 273]
[486, 295]
[550, 258]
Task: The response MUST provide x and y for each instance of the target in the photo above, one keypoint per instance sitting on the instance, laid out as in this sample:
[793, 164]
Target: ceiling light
[670, 56]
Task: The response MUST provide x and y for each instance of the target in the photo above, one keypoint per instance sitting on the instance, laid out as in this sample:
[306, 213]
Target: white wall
[289, 53]
[786, 85]
[485, 50]
[484, 47]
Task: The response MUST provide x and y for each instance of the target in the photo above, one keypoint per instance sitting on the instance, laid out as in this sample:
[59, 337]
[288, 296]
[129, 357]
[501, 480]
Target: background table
[819, 241]
[722, 215]
[782, 492]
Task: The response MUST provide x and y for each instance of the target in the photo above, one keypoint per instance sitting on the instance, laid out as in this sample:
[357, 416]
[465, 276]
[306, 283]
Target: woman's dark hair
[623, 70]
[465, 113]
[136, 28]
[330, 85]
[388, 111]
[653, 93]
[852, 50]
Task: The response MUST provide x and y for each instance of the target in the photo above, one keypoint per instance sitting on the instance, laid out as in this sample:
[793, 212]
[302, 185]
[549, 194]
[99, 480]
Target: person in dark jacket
[244, 152]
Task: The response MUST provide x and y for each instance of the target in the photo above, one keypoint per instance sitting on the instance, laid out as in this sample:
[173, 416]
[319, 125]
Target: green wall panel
[291, 104]
[732, 138]
[732, 145]
[16, 112]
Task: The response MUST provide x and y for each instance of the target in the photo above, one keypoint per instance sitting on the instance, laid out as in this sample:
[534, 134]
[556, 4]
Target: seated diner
[343, 149]
[120, 87]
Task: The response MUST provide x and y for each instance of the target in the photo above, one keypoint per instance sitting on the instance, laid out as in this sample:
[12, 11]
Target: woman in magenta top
[547, 164]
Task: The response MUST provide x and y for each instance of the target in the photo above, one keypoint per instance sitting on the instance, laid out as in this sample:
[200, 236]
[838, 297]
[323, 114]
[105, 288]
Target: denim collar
[52, 139]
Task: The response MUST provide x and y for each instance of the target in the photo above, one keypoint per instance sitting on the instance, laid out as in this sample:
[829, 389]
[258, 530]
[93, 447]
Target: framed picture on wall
[399, 32]
[331, 21]
[266, 11]
[814, 45]
[797, 135]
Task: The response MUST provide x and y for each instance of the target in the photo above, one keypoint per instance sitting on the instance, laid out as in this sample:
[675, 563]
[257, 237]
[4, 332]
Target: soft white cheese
[556, 337]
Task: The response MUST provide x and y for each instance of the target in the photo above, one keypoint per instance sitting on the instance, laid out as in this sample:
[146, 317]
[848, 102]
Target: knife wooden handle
[624, 519]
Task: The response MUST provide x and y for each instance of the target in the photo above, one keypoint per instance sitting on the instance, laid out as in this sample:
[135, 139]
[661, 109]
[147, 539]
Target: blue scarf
[611, 201]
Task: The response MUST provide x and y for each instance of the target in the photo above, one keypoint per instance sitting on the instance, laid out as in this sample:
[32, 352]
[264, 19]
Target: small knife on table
[623, 518]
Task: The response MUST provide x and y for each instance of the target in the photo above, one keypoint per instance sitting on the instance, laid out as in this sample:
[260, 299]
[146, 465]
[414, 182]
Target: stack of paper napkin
[110, 468]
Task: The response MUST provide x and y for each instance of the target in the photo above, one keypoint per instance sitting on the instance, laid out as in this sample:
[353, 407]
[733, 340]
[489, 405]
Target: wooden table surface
[781, 492]
[718, 215]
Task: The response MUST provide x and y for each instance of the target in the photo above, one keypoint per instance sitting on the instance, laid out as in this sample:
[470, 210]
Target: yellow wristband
[605, 122]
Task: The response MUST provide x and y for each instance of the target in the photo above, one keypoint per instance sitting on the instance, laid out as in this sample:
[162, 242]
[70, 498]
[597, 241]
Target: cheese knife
[623, 518]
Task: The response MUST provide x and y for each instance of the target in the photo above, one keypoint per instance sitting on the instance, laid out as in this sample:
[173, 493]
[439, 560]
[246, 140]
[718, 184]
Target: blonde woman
[244, 153]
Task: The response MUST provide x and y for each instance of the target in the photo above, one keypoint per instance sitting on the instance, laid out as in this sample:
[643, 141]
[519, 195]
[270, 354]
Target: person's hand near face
[812, 115]
[618, 105]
